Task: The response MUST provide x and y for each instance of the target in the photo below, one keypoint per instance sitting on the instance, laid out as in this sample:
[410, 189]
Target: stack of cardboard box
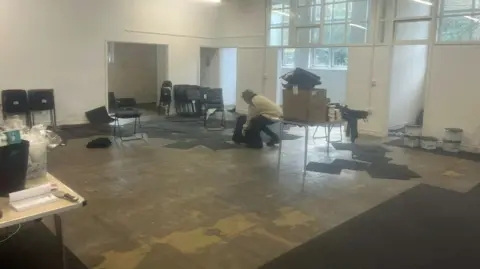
[305, 105]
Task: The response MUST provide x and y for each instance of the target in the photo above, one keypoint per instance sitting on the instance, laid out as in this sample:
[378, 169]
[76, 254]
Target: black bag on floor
[251, 138]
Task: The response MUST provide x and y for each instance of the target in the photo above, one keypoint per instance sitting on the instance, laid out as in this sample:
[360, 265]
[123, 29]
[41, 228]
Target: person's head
[247, 96]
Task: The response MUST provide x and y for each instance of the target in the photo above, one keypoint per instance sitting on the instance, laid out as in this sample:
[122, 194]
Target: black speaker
[14, 102]
[13, 167]
[41, 99]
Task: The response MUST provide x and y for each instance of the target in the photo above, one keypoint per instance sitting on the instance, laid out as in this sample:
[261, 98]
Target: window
[288, 58]
[279, 23]
[329, 58]
[459, 20]
[313, 22]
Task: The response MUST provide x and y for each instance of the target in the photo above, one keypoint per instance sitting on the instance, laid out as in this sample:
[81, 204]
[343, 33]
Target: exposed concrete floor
[155, 207]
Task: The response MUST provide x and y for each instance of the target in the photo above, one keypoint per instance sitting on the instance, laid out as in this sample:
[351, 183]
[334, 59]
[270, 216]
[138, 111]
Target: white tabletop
[12, 217]
[299, 123]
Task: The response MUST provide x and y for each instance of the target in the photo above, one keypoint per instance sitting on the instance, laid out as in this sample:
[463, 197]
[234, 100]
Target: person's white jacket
[261, 105]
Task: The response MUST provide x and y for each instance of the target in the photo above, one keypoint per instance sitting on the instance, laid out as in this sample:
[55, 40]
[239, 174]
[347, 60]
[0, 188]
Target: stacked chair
[21, 102]
[195, 101]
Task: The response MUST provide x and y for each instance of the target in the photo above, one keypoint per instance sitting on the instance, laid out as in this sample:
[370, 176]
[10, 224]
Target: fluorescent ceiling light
[358, 26]
[472, 18]
[281, 13]
[423, 2]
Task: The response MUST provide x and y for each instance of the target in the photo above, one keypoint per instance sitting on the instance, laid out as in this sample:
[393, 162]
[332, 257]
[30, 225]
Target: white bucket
[449, 146]
[453, 134]
[413, 130]
[428, 142]
[411, 141]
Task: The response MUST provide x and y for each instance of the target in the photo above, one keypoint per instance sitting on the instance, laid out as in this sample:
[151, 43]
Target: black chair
[214, 100]
[15, 102]
[42, 100]
[123, 112]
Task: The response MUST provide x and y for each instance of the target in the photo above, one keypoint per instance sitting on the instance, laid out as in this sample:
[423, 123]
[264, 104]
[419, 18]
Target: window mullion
[322, 22]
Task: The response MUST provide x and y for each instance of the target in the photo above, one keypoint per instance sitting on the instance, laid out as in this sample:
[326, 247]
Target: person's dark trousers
[237, 132]
[260, 124]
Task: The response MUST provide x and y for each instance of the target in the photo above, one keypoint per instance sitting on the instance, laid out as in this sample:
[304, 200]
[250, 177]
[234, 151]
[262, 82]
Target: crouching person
[262, 112]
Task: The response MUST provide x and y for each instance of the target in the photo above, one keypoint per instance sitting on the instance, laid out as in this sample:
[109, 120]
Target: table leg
[305, 158]
[59, 234]
[329, 131]
[280, 149]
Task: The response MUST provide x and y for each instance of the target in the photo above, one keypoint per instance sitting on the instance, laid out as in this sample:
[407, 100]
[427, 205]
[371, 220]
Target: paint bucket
[428, 142]
[411, 141]
[413, 130]
[453, 134]
[451, 146]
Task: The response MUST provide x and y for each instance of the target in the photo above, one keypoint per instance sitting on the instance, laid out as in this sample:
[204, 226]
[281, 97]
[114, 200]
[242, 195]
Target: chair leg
[135, 127]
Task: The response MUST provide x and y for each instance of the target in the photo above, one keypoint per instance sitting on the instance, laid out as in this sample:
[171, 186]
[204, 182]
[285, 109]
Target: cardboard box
[306, 106]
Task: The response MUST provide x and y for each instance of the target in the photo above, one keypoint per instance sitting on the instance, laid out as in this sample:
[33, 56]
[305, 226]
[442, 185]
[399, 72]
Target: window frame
[284, 65]
[295, 26]
[331, 55]
[474, 11]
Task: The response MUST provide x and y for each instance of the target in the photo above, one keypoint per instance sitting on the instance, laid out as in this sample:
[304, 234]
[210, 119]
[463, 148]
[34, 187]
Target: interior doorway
[407, 86]
[136, 71]
[218, 69]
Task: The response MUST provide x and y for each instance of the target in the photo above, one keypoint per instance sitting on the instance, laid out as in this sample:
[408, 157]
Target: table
[328, 125]
[12, 217]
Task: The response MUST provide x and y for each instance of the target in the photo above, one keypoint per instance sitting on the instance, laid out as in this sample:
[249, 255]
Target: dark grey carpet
[34, 247]
[391, 171]
[423, 228]
[326, 168]
[461, 155]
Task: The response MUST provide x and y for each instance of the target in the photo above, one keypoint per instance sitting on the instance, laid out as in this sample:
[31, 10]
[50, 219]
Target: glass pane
[302, 3]
[285, 36]
[340, 57]
[288, 57]
[279, 4]
[477, 4]
[328, 13]
[339, 12]
[280, 17]
[357, 33]
[457, 7]
[358, 11]
[417, 30]
[275, 37]
[406, 9]
[308, 15]
[476, 29]
[308, 35]
[321, 58]
[276, 19]
[457, 28]
[334, 34]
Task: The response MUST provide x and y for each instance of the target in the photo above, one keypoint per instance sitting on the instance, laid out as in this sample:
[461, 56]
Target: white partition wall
[452, 100]
[250, 73]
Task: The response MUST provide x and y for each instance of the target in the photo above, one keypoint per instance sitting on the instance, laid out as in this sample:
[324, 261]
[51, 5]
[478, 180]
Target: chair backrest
[14, 101]
[167, 83]
[41, 99]
[193, 93]
[215, 96]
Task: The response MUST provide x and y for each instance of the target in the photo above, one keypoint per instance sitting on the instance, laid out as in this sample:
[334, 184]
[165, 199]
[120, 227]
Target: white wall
[453, 94]
[62, 44]
[162, 68]
[409, 66]
[209, 67]
[228, 75]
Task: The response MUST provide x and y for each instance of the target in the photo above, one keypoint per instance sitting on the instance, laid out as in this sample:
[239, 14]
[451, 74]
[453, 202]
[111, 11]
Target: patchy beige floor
[155, 207]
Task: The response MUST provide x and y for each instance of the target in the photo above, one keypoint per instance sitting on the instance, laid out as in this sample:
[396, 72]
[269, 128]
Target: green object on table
[13, 137]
